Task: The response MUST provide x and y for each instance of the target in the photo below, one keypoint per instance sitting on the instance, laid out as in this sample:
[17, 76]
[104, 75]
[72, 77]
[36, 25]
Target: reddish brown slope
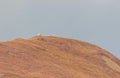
[52, 57]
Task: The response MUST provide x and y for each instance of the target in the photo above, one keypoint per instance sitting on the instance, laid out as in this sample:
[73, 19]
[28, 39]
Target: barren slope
[53, 57]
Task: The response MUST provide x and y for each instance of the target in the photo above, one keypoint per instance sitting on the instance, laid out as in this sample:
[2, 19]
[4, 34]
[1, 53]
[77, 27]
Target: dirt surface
[54, 57]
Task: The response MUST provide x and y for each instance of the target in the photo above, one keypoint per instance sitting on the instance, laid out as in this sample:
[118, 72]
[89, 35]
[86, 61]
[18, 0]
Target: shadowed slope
[53, 57]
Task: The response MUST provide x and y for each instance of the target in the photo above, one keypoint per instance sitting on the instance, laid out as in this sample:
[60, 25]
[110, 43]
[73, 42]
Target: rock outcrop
[53, 57]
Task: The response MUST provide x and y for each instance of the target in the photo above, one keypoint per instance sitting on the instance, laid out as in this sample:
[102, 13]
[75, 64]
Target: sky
[94, 21]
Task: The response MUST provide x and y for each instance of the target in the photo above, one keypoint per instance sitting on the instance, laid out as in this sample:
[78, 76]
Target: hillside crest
[56, 57]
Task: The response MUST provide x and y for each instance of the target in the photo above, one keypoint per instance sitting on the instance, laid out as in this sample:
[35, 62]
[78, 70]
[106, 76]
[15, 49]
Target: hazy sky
[94, 21]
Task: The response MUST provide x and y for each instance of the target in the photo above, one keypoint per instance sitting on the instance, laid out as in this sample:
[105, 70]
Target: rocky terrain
[54, 57]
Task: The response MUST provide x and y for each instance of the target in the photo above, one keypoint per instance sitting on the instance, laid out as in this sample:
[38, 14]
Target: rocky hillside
[53, 57]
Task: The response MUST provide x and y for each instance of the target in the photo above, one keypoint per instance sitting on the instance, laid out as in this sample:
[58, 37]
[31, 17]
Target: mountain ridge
[56, 57]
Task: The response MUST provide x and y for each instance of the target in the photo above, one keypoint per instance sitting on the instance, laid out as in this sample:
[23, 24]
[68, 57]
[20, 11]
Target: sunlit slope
[53, 57]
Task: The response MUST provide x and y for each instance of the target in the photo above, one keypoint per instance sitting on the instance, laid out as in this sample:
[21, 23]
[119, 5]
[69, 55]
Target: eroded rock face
[53, 57]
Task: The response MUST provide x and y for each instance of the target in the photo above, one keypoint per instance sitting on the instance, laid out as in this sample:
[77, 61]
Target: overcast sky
[94, 21]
